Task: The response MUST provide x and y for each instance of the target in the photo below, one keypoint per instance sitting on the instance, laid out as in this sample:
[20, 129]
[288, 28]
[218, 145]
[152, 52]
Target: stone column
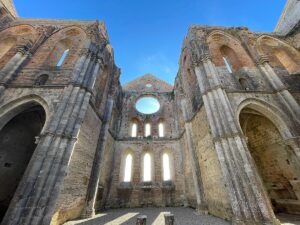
[85, 53]
[169, 219]
[283, 94]
[250, 204]
[35, 199]
[197, 178]
[97, 70]
[89, 210]
[141, 220]
[12, 66]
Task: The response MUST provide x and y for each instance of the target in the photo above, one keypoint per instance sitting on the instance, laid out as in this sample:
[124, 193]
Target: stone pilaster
[197, 178]
[12, 66]
[250, 204]
[35, 199]
[283, 94]
[89, 210]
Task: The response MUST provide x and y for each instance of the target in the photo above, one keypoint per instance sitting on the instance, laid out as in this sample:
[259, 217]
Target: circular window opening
[148, 85]
[147, 105]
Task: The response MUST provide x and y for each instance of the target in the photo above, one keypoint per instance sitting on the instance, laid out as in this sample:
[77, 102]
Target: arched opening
[6, 45]
[227, 64]
[41, 80]
[134, 129]
[280, 54]
[128, 168]
[288, 62]
[275, 161]
[147, 129]
[147, 168]
[161, 129]
[60, 52]
[62, 58]
[230, 59]
[17, 144]
[244, 84]
[166, 167]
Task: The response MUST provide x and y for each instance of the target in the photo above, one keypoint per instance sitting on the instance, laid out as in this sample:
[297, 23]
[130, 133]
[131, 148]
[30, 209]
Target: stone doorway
[17, 144]
[275, 161]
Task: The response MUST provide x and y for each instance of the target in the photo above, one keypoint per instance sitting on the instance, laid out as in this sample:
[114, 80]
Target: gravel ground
[183, 216]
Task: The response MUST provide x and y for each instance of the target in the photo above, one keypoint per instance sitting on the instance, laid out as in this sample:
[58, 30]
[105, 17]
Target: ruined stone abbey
[225, 139]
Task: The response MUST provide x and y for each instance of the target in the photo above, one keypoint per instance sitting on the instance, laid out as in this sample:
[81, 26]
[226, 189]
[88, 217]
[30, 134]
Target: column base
[238, 221]
[202, 209]
[88, 213]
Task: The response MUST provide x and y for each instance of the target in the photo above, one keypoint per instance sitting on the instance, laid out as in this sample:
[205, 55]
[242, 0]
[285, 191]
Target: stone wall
[214, 153]
[190, 193]
[137, 193]
[9, 4]
[214, 188]
[107, 167]
[74, 189]
[289, 17]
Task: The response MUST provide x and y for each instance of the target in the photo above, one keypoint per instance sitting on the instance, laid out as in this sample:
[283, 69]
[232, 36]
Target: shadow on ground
[155, 216]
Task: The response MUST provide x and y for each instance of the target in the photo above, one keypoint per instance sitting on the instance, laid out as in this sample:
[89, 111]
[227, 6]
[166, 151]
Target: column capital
[84, 52]
[205, 57]
[23, 49]
[196, 62]
[202, 59]
[262, 59]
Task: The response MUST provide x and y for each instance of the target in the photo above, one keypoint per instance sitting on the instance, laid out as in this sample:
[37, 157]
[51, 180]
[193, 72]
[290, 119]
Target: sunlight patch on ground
[122, 219]
[160, 219]
[84, 220]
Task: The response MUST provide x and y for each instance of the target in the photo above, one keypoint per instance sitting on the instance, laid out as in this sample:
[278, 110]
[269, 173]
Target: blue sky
[147, 35]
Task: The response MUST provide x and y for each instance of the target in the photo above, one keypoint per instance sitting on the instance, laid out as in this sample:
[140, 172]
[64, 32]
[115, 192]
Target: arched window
[128, 168]
[287, 61]
[41, 80]
[62, 58]
[6, 45]
[230, 59]
[147, 129]
[227, 64]
[244, 84]
[166, 167]
[134, 128]
[161, 130]
[147, 168]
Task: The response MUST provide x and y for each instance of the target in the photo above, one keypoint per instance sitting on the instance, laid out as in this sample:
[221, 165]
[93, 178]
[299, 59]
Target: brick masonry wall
[215, 192]
[73, 192]
[9, 4]
[136, 195]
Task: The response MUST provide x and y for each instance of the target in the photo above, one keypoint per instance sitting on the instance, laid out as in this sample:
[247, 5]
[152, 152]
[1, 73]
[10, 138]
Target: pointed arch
[274, 114]
[14, 107]
[167, 165]
[275, 160]
[127, 165]
[147, 166]
[134, 127]
[17, 146]
[225, 48]
[161, 128]
[22, 32]
[280, 53]
[15, 36]
[147, 128]
[69, 39]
